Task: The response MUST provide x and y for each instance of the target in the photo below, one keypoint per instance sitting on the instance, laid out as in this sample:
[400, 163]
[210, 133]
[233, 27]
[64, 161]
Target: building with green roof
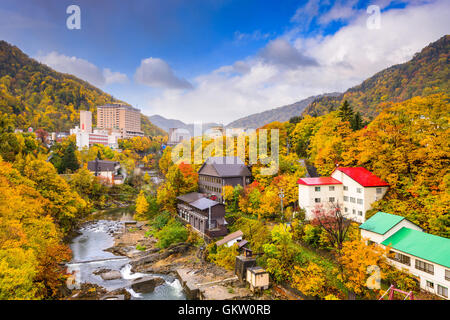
[424, 255]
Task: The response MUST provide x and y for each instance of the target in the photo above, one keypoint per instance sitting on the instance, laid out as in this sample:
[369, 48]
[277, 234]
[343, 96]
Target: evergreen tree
[356, 122]
[295, 119]
[69, 159]
[345, 111]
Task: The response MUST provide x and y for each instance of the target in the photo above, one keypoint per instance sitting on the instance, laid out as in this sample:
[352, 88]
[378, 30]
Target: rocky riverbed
[102, 270]
[107, 265]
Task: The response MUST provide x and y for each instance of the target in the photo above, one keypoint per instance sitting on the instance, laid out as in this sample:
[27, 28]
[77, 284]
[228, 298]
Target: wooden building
[217, 172]
[204, 215]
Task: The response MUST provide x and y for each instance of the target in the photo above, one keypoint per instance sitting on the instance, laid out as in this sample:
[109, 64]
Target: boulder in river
[111, 275]
[146, 284]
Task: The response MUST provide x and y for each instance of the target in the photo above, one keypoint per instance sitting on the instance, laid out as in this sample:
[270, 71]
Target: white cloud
[82, 69]
[155, 72]
[281, 52]
[345, 59]
[114, 77]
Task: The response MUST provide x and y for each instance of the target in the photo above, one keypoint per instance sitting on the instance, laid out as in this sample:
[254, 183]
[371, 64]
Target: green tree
[345, 111]
[69, 159]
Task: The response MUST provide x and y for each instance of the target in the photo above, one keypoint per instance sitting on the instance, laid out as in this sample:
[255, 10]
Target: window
[400, 258]
[360, 213]
[430, 284]
[379, 190]
[358, 190]
[353, 211]
[447, 275]
[331, 199]
[422, 265]
[352, 200]
[317, 189]
[442, 291]
[331, 188]
[359, 201]
[345, 188]
[345, 209]
[346, 198]
[317, 200]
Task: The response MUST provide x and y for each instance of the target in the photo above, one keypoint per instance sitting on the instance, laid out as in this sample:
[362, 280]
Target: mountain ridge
[426, 73]
[281, 114]
[166, 124]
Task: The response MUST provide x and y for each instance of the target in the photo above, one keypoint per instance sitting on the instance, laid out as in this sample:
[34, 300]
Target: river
[95, 237]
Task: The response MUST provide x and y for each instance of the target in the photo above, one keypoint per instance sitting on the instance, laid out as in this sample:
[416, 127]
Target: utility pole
[281, 195]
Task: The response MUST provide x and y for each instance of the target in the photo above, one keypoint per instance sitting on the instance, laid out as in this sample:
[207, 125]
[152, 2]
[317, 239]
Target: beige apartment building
[117, 117]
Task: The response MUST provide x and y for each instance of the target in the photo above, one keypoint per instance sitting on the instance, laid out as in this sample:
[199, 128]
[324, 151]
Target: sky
[220, 60]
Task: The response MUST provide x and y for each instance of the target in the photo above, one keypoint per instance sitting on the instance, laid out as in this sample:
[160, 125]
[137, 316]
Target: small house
[258, 278]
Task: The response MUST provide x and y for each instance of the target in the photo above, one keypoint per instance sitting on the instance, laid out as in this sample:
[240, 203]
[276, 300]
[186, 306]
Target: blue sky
[218, 60]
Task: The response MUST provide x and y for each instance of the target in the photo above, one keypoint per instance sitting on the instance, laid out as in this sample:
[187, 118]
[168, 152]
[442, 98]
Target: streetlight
[281, 195]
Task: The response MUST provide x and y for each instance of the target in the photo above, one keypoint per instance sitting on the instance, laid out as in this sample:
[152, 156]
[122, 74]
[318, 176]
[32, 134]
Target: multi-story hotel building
[355, 189]
[123, 118]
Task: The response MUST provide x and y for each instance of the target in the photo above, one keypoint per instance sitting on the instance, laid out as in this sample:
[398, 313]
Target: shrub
[224, 256]
[172, 232]
[311, 235]
[141, 248]
[161, 220]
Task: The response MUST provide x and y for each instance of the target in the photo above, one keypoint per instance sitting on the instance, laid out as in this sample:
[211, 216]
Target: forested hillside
[427, 73]
[40, 97]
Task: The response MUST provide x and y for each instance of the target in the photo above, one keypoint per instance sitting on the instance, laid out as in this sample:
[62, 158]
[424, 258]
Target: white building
[86, 138]
[355, 189]
[424, 255]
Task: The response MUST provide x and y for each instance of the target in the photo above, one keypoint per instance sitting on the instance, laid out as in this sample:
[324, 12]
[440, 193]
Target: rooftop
[381, 222]
[422, 245]
[190, 197]
[102, 165]
[363, 176]
[227, 166]
[203, 203]
[230, 237]
[318, 181]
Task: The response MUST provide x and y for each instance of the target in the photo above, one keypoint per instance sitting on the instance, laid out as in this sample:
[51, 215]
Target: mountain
[35, 95]
[280, 114]
[166, 124]
[426, 73]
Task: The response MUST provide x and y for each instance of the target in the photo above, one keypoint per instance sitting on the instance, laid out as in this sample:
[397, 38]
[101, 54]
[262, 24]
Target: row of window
[210, 179]
[353, 200]
[358, 190]
[212, 189]
[360, 213]
[441, 290]
[419, 264]
[318, 200]
[317, 189]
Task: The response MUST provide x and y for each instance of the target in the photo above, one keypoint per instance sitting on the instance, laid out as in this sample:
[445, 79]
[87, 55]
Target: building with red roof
[354, 188]
[362, 176]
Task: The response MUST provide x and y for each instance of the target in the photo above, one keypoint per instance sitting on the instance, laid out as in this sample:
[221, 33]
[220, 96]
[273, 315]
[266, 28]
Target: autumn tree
[361, 264]
[280, 253]
[332, 220]
[142, 207]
